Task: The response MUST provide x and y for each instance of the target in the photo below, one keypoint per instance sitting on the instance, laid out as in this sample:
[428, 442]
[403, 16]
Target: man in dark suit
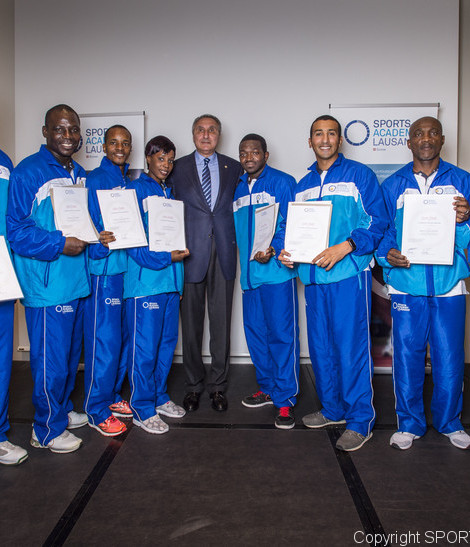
[205, 181]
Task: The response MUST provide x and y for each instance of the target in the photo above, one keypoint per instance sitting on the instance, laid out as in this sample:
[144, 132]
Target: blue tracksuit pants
[270, 318]
[153, 333]
[7, 310]
[106, 346]
[417, 321]
[338, 317]
[55, 336]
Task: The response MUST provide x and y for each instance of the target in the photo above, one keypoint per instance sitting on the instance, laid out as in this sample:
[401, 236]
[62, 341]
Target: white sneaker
[154, 425]
[66, 442]
[10, 454]
[403, 440]
[171, 410]
[460, 439]
[76, 419]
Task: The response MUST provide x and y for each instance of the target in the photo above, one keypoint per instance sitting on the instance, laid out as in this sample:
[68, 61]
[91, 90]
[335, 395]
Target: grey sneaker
[154, 425]
[76, 419]
[317, 420]
[10, 454]
[403, 440]
[460, 439]
[63, 444]
[171, 410]
[351, 440]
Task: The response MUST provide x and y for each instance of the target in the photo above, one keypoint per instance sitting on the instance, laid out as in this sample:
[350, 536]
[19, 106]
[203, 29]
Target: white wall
[267, 66]
[7, 77]
[464, 120]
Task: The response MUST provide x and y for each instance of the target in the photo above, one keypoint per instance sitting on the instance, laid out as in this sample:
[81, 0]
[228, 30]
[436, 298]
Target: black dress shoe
[191, 401]
[219, 401]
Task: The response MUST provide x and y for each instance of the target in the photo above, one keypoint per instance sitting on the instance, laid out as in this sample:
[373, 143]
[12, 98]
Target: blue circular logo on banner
[356, 133]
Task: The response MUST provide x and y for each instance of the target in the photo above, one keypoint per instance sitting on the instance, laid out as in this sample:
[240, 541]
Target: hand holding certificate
[166, 224]
[265, 226]
[428, 228]
[121, 216]
[307, 229]
[9, 287]
[71, 216]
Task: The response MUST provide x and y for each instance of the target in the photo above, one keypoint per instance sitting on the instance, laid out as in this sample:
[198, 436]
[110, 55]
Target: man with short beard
[270, 308]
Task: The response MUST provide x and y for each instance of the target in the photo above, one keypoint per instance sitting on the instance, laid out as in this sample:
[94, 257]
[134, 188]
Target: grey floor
[232, 479]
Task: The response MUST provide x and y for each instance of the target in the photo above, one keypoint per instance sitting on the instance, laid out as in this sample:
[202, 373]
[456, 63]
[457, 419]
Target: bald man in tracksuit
[428, 300]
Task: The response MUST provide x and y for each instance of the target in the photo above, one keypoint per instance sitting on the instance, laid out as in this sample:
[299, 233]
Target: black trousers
[219, 293]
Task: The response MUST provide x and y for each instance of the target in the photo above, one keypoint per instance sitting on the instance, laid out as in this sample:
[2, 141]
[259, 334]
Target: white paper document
[71, 216]
[166, 224]
[307, 229]
[9, 287]
[265, 226]
[428, 228]
[121, 215]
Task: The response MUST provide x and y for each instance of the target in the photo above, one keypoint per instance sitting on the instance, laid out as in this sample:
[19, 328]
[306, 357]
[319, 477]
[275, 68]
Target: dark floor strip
[364, 507]
[76, 507]
[205, 425]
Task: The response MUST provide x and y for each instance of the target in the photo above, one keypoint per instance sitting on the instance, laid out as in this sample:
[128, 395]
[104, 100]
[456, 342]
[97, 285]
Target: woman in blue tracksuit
[152, 287]
[104, 328]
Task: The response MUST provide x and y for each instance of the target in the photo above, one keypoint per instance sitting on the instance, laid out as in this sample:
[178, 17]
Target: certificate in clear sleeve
[166, 224]
[428, 228]
[265, 226]
[71, 216]
[121, 215]
[9, 287]
[307, 229]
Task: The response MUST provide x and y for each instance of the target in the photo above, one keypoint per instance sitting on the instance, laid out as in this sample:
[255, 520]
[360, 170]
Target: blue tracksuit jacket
[272, 186]
[47, 277]
[148, 272]
[423, 279]
[105, 177]
[358, 212]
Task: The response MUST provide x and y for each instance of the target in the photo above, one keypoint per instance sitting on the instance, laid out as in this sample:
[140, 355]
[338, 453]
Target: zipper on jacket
[250, 242]
[46, 274]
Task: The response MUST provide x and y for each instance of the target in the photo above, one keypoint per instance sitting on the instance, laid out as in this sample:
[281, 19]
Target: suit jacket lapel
[223, 168]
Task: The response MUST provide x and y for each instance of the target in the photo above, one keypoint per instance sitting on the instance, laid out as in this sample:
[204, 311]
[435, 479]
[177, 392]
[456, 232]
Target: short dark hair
[325, 117]
[117, 126]
[211, 116]
[256, 137]
[58, 108]
[159, 143]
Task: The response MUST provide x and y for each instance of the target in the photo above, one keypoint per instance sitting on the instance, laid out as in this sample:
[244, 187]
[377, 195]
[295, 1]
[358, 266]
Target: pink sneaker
[121, 409]
[110, 427]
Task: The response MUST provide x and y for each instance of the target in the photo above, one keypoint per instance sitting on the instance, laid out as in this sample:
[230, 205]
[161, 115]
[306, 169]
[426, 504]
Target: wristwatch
[350, 240]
